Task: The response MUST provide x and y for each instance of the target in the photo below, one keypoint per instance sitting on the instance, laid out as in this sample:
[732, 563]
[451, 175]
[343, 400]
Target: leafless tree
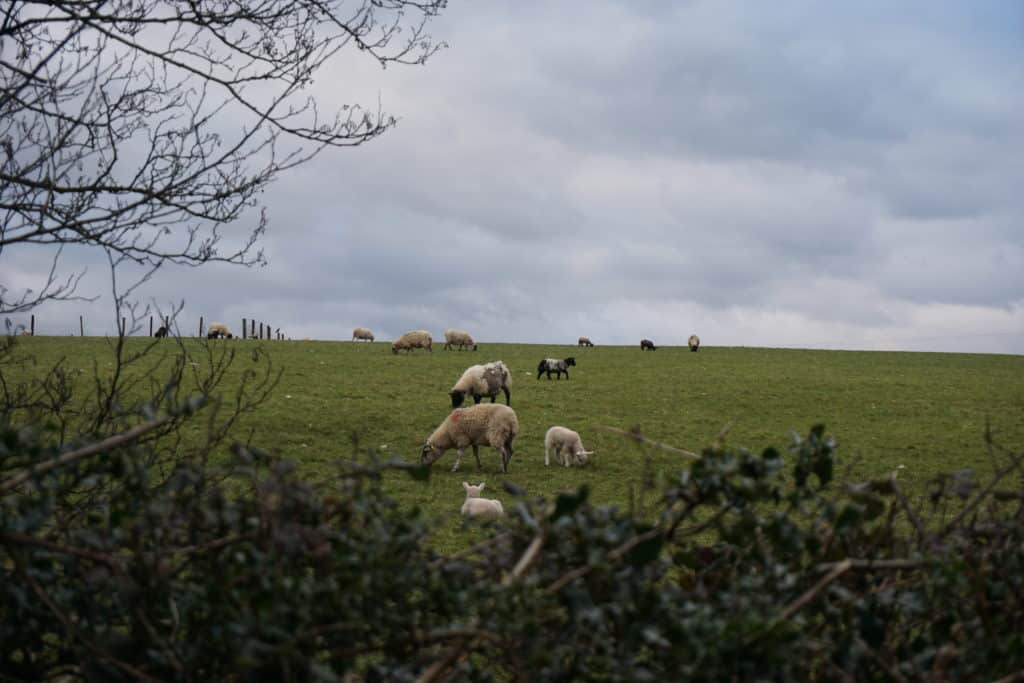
[143, 127]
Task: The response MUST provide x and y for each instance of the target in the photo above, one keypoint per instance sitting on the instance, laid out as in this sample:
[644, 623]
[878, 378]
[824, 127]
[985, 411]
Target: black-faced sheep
[646, 344]
[482, 380]
[219, 330]
[693, 342]
[160, 331]
[584, 341]
[567, 446]
[487, 424]
[417, 339]
[458, 338]
[481, 508]
[362, 333]
[556, 366]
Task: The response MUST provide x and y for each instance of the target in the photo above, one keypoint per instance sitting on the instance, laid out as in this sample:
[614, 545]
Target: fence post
[81, 327]
[200, 326]
[150, 326]
[261, 331]
[243, 328]
[268, 330]
[33, 330]
[124, 327]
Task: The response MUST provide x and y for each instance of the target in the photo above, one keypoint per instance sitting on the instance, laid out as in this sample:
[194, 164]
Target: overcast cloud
[798, 174]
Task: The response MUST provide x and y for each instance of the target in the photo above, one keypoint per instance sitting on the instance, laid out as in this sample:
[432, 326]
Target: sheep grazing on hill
[567, 446]
[693, 342]
[487, 424]
[219, 330]
[417, 339]
[481, 508]
[362, 333]
[458, 338]
[482, 380]
[160, 331]
[584, 341]
[556, 366]
[646, 344]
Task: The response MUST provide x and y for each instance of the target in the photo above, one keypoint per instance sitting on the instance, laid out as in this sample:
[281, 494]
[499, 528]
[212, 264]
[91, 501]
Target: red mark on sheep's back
[456, 414]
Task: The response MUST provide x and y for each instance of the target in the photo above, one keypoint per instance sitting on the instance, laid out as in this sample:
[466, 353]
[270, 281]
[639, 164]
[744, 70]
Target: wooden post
[243, 328]
[124, 327]
[261, 331]
[150, 326]
[268, 330]
[81, 327]
[200, 326]
[33, 330]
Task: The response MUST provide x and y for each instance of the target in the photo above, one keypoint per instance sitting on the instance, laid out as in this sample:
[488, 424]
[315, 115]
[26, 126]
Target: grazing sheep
[482, 380]
[647, 344]
[459, 338]
[417, 339]
[219, 330]
[585, 341]
[362, 333]
[556, 366]
[481, 508]
[160, 331]
[565, 442]
[693, 342]
[487, 424]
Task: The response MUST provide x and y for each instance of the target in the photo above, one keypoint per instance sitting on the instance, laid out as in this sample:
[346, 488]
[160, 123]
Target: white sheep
[362, 333]
[564, 442]
[487, 424]
[417, 339]
[481, 508]
[482, 380]
[693, 342]
[458, 338]
[216, 330]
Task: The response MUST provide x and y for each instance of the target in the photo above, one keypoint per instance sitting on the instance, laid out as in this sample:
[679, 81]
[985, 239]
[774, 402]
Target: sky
[787, 174]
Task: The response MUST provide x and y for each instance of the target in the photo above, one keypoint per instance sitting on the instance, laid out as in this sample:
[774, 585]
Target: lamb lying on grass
[567, 446]
[480, 508]
[486, 424]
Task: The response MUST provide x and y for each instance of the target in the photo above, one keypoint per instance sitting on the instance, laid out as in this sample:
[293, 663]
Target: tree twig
[636, 436]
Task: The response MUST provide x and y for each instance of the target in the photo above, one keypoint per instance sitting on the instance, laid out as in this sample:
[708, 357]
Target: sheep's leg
[567, 458]
[567, 373]
[476, 454]
[547, 456]
[539, 373]
[506, 455]
[458, 459]
[477, 398]
[508, 396]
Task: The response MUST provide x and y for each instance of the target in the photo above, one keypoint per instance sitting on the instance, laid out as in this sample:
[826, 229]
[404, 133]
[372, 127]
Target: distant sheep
[556, 366]
[693, 342]
[646, 344]
[585, 341]
[487, 424]
[219, 330]
[458, 338]
[363, 333]
[565, 443]
[160, 332]
[480, 508]
[482, 380]
[417, 339]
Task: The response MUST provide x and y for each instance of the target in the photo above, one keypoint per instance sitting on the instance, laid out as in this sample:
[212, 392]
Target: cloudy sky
[785, 174]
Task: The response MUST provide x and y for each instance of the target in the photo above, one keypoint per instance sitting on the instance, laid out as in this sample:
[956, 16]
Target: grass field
[926, 411]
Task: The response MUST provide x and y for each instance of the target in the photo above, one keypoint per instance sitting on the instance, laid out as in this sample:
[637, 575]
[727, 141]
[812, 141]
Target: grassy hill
[926, 411]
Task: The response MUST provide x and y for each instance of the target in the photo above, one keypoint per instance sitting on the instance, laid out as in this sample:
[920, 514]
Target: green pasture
[925, 411]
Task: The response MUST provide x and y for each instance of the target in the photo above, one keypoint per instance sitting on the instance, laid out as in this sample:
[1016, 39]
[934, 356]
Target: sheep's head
[570, 361]
[394, 349]
[457, 397]
[581, 457]
[473, 491]
[430, 453]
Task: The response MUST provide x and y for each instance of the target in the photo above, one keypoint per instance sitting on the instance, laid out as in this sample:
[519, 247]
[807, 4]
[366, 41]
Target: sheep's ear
[465, 485]
[481, 486]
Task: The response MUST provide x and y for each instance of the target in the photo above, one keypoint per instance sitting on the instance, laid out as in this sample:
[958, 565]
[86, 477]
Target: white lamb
[565, 442]
[487, 424]
[417, 339]
[458, 338]
[481, 508]
[482, 380]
